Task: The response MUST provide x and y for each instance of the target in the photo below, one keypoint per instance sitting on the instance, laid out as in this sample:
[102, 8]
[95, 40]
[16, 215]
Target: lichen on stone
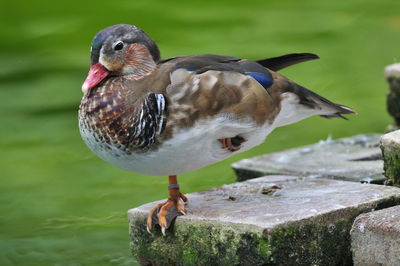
[309, 223]
[311, 243]
[199, 244]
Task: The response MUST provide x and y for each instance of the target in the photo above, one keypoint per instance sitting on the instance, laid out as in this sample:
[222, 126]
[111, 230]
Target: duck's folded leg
[232, 144]
[164, 213]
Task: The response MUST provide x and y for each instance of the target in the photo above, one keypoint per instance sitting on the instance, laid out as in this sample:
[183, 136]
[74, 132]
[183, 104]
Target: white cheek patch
[104, 62]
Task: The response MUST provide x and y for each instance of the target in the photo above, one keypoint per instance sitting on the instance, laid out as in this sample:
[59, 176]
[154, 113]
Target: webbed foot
[164, 213]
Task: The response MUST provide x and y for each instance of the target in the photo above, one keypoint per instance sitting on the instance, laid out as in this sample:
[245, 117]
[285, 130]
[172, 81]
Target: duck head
[121, 50]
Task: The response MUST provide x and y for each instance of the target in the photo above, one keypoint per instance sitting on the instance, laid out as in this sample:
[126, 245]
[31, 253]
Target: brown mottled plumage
[110, 109]
[179, 114]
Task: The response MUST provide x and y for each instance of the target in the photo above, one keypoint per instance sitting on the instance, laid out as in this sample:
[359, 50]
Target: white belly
[188, 150]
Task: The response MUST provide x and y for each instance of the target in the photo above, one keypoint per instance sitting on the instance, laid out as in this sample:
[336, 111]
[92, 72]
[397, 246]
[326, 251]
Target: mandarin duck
[168, 117]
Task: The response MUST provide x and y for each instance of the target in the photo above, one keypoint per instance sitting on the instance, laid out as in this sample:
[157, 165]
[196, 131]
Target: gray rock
[356, 159]
[392, 75]
[375, 238]
[390, 145]
[275, 220]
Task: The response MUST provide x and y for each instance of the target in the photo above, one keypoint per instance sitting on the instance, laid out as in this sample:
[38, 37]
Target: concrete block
[275, 220]
[375, 238]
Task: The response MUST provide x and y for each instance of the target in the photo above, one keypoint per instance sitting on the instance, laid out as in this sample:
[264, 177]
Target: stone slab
[274, 220]
[356, 159]
[375, 238]
[390, 145]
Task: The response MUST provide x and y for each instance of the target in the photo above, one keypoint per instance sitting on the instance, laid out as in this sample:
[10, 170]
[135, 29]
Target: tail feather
[341, 110]
[298, 103]
[316, 101]
[277, 63]
[334, 115]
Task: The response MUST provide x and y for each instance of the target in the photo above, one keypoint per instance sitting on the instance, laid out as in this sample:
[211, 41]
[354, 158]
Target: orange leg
[164, 213]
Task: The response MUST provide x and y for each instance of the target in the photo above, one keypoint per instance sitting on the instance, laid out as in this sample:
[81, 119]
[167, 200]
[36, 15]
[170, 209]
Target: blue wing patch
[265, 80]
[191, 68]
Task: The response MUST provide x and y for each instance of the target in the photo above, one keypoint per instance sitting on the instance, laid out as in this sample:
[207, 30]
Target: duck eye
[118, 46]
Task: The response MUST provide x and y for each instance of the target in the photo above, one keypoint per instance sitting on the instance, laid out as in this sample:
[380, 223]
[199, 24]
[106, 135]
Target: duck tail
[277, 63]
[327, 108]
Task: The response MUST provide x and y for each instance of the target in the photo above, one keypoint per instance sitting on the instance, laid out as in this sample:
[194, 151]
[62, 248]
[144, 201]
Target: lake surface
[59, 203]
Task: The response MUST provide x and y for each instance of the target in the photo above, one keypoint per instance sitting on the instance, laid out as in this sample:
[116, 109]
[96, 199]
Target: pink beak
[96, 74]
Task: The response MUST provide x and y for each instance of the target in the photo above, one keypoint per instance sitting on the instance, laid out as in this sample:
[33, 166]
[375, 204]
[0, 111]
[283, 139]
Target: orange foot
[164, 213]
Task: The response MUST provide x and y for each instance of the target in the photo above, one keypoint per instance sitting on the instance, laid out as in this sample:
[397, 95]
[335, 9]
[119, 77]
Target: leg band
[173, 186]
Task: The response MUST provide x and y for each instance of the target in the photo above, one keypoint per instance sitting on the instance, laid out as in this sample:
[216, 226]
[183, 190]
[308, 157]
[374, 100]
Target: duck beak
[96, 74]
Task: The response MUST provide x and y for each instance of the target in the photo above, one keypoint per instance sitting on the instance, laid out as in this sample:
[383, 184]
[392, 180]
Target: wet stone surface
[390, 145]
[375, 238]
[274, 220]
[356, 159]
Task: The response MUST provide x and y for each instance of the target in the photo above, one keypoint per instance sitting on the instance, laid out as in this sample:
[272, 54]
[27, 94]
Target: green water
[59, 204]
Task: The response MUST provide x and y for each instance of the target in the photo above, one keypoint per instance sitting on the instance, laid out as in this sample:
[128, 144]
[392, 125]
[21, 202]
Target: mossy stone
[390, 146]
[303, 222]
